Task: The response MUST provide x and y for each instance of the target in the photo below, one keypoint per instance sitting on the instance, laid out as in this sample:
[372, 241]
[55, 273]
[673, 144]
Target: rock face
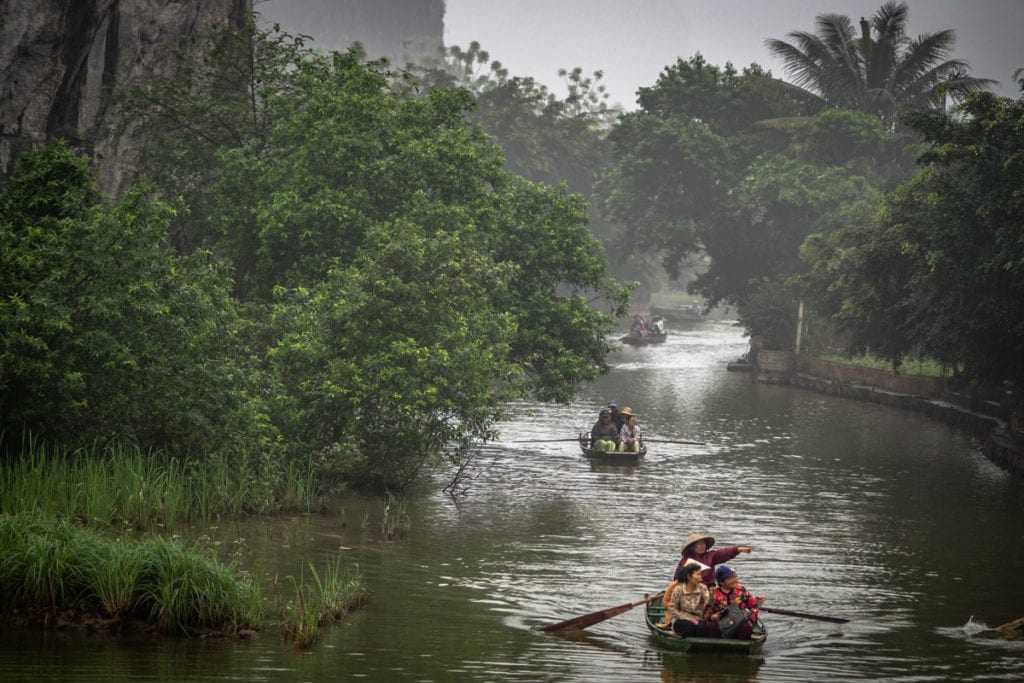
[61, 59]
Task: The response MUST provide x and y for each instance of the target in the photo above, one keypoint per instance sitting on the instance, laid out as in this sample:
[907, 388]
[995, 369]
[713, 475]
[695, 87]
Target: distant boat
[611, 457]
[654, 614]
[638, 340]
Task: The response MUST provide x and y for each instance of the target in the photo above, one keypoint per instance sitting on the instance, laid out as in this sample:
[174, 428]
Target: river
[884, 517]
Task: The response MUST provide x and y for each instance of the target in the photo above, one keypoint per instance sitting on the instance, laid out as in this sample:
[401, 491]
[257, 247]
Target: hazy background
[632, 40]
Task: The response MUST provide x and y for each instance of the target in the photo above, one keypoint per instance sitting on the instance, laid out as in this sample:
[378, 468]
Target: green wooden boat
[654, 614]
[611, 457]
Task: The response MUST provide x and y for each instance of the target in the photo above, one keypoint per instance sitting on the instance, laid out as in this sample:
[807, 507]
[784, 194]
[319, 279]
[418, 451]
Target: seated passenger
[658, 325]
[613, 408]
[604, 436]
[686, 607]
[728, 593]
[629, 435]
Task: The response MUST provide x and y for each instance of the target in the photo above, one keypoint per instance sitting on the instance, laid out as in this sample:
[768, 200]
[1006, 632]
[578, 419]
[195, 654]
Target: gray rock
[61, 59]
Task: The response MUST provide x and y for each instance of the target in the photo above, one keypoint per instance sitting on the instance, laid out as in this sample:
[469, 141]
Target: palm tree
[882, 70]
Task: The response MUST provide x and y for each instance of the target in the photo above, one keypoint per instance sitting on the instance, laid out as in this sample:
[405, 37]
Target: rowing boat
[638, 340]
[654, 614]
[611, 457]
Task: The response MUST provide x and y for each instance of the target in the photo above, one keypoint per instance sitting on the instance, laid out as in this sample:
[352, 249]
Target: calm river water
[883, 517]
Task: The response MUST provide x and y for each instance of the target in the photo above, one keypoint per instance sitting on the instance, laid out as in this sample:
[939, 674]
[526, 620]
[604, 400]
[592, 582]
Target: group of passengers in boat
[705, 598]
[615, 430]
[640, 328]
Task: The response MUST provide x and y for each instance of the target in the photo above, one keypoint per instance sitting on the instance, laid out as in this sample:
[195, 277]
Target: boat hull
[613, 457]
[654, 614]
[643, 341]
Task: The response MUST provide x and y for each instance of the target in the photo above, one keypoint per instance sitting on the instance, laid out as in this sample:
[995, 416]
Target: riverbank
[989, 421]
[56, 574]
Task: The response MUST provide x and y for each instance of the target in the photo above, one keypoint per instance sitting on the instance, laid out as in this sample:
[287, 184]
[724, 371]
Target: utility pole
[799, 325]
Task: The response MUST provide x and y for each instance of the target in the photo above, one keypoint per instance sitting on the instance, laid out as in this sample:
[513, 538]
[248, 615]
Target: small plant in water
[332, 594]
[395, 523]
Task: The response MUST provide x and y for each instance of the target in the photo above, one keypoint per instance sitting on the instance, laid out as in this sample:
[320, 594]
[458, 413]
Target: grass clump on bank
[921, 367]
[54, 573]
[331, 596]
[119, 484]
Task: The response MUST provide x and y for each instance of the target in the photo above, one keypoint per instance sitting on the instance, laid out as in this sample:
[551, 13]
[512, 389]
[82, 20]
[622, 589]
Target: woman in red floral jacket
[697, 548]
[730, 592]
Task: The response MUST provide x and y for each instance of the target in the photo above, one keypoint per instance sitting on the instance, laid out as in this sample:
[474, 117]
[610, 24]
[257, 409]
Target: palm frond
[922, 55]
[803, 68]
[890, 21]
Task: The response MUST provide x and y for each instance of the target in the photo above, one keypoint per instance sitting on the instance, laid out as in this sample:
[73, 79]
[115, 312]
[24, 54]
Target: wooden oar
[586, 620]
[685, 443]
[1011, 625]
[541, 440]
[804, 615]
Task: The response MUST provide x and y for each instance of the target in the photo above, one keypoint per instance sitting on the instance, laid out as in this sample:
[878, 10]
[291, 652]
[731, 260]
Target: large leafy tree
[880, 70]
[544, 138]
[413, 282]
[217, 100]
[104, 332]
[676, 158]
[738, 168]
[941, 271]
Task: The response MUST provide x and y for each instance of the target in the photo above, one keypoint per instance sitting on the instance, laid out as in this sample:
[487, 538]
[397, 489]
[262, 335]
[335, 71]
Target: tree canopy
[351, 265]
[939, 271]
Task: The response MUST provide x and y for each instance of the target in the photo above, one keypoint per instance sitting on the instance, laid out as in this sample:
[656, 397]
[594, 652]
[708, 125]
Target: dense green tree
[543, 137]
[395, 360]
[217, 100]
[740, 169]
[413, 282]
[728, 101]
[670, 180]
[941, 271]
[104, 333]
[881, 71]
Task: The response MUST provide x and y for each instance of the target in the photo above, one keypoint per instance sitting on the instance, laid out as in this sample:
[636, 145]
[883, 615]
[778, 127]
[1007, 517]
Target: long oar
[804, 615]
[1011, 625]
[543, 440]
[586, 620]
[685, 443]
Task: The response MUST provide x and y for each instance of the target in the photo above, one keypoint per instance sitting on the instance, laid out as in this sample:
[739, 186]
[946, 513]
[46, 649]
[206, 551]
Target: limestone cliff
[61, 59]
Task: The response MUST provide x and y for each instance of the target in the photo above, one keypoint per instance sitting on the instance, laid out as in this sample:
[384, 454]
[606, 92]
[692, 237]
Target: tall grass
[395, 522]
[121, 485]
[329, 597]
[923, 367]
[51, 564]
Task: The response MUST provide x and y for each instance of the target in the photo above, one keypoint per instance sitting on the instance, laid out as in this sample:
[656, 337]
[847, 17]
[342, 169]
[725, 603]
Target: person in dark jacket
[617, 418]
[604, 436]
[698, 548]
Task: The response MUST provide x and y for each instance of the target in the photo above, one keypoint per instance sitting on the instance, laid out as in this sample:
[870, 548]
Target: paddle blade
[582, 622]
[586, 620]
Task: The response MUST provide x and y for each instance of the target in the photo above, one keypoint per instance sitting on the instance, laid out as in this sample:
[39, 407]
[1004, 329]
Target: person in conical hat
[697, 548]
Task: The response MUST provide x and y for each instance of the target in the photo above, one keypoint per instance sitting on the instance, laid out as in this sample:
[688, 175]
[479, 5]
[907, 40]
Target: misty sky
[632, 40]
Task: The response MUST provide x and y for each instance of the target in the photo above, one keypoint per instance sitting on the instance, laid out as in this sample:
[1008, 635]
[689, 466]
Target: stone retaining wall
[925, 395]
[932, 387]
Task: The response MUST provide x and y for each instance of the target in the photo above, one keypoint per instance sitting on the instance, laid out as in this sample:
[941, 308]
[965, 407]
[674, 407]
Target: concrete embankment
[990, 421]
